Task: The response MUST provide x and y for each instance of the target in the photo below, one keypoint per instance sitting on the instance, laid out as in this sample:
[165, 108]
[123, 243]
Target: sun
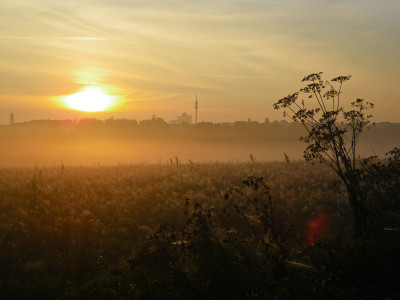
[89, 99]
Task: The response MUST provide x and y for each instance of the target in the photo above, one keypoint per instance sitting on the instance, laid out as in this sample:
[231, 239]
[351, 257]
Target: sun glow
[90, 99]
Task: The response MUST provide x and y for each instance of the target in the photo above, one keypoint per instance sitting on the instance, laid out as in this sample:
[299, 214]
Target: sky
[153, 56]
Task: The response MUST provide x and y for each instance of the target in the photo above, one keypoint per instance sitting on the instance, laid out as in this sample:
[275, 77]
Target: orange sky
[241, 56]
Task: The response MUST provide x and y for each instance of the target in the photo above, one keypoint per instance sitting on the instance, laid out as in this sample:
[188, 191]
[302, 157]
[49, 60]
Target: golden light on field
[90, 99]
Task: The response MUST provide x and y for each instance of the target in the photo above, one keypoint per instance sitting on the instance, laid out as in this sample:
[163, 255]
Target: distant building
[11, 118]
[184, 118]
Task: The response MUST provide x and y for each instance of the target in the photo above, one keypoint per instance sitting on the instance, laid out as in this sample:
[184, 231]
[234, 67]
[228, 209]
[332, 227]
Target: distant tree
[111, 122]
[90, 123]
[154, 123]
[332, 134]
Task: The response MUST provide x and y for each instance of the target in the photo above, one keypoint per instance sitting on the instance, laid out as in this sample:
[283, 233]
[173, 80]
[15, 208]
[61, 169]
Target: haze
[122, 141]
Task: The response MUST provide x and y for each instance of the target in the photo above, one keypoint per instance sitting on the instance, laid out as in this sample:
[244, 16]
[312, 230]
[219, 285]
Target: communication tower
[196, 107]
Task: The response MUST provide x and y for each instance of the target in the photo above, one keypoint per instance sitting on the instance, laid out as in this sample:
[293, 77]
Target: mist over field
[93, 142]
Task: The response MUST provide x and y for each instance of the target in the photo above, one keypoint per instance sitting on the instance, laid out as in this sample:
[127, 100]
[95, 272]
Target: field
[178, 231]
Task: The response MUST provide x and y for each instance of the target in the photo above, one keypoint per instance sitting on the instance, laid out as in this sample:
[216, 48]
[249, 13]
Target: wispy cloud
[43, 38]
[235, 52]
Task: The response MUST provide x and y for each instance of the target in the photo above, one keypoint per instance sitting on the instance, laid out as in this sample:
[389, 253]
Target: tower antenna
[196, 107]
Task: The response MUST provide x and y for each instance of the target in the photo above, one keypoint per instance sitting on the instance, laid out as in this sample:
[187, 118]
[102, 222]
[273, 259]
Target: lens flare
[317, 229]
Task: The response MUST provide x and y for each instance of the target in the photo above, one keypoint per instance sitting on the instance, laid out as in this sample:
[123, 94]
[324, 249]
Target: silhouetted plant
[196, 260]
[255, 206]
[286, 158]
[332, 134]
[381, 182]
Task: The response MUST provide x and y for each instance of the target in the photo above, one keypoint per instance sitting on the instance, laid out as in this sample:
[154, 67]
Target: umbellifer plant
[332, 134]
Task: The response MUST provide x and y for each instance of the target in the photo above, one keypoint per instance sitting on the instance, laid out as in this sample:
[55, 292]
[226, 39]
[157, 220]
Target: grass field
[140, 232]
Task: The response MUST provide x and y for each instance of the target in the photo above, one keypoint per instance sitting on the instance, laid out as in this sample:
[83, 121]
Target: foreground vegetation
[193, 231]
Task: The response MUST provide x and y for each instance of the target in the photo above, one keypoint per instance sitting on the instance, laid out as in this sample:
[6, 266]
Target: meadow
[184, 231]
